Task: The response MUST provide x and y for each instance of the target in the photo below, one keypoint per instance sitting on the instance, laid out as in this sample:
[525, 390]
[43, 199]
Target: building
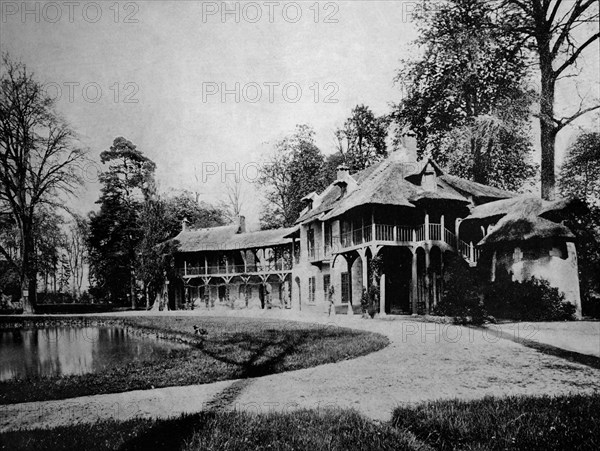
[392, 225]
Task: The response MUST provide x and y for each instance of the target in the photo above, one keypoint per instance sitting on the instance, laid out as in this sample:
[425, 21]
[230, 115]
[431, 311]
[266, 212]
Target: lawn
[515, 423]
[225, 348]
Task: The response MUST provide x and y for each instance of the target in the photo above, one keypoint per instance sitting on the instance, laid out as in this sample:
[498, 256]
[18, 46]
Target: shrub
[461, 295]
[531, 300]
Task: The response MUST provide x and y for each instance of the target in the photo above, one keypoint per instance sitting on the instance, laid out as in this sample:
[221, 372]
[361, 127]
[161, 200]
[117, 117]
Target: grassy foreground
[515, 423]
[226, 348]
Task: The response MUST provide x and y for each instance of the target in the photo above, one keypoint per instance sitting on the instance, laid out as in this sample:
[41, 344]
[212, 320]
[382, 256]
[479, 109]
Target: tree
[580, 172]
[466, 100]
[76, 249]
[115, 230]
[234, 190]
[39, 162]
[362, 138]
[580, 177]
[291, 171]
[558, 32]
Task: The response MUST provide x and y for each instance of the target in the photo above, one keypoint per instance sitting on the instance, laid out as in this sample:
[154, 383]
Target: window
[311, 290]
[310, 242]
[345, 288]
[326, 285]
[328, 238]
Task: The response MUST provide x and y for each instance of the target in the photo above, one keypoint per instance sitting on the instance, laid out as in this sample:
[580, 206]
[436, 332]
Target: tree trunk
[28, 274]
[548, 129]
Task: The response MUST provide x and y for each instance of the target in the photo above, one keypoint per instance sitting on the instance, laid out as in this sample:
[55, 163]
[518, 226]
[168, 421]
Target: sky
[205, 88]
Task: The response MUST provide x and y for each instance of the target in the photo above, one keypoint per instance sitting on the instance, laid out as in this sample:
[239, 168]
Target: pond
[68, 350]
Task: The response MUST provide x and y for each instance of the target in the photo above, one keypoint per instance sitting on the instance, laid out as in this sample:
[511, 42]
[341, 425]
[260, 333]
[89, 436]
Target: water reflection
[57, 351]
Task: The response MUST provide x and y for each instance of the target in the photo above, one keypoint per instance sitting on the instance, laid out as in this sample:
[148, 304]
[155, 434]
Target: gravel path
[425, 361]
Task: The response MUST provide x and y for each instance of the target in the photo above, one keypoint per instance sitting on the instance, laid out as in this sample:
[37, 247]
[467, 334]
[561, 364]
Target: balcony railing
[235, 269]
[396, 234]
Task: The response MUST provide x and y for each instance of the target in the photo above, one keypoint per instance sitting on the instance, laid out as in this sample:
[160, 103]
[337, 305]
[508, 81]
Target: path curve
[424, 361]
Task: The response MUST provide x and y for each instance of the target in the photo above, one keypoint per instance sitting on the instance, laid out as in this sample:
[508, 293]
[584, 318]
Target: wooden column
[382, 295]
[427, 283]
[415, 290]
[426, 226]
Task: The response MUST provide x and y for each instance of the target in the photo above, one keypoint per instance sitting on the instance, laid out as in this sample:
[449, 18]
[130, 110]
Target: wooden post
[426, 226]
[382, 296]
[415, 289]
[427, 283]
[443, 228]
[373, 237]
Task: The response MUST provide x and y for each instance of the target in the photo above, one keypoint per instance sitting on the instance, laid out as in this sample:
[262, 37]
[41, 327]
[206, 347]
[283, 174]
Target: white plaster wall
[560, 273]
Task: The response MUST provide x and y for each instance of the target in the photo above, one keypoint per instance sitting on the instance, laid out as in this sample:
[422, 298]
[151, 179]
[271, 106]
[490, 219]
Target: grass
[230, 348]
[515, 423]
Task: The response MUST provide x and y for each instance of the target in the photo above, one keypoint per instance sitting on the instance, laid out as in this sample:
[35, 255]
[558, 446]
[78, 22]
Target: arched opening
[397, 267]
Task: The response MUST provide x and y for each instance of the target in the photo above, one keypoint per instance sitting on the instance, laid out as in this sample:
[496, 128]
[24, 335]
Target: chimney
[241, 220]
[342, 172]
[184, 224]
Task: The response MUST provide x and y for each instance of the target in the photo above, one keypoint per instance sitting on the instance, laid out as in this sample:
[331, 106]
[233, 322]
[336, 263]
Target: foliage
[586, 227]
[292, 170]
[361, 140]
[531, 300]
[557, 32]
[461, 296]
[39, 162]
[115, 230]
[466, 100]
[580, 172]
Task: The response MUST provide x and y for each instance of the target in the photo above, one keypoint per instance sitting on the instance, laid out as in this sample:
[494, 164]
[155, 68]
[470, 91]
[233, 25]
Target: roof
[384, 186]
[522, 206]
[227, 238]
[514, 228]
[388, 182]
[476, 189]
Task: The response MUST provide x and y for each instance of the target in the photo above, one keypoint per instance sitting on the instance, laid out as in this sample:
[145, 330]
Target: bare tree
[39, 162]
[558, 31]
[76, 247]
[234, 191]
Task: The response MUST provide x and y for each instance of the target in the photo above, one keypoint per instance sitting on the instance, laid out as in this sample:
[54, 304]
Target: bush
[531, 300]
[461, 296]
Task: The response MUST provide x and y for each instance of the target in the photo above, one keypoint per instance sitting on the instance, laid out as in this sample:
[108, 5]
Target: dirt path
[425, 361]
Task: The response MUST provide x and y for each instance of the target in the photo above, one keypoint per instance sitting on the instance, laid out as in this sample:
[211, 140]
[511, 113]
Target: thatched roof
[477, 190]
[384, 186]
[228, 238]
[522, 206]
[385, 183]
[515, 228]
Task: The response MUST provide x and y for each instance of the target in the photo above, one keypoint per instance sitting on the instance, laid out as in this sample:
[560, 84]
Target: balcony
[399, 235]
[235, 270]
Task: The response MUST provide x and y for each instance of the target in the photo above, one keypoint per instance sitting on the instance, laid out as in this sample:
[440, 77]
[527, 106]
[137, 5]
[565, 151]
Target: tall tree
[465, 97]
[39, 162]
[558, 31]
[362, 138]
[291, 171]
[115, 230]
[580, 177]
